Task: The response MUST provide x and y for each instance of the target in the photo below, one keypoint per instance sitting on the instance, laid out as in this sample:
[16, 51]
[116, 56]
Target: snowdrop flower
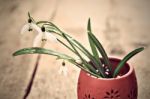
[29, 27]
[42, 34]
[63, 69]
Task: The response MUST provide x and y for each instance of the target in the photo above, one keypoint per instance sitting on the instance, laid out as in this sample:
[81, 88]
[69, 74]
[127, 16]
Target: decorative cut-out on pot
[123, 87]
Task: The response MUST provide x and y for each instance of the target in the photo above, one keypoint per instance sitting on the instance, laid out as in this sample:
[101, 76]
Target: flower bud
[63, 63]
[43, 29]
[29, 20]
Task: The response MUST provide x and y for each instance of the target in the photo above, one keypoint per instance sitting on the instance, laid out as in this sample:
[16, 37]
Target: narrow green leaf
[93, 48]
[89, 55]
[92, 45]
[101, 50]
[65, 45]
[35, 50]
[125, 59]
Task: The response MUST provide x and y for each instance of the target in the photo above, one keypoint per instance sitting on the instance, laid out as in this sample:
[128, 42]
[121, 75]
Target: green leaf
[125, 59]
[101, 50]
[34, 50]
[92, 45]
[65, 45]
[94, 49]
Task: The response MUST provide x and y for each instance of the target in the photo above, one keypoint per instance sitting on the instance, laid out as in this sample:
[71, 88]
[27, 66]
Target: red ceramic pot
[124, 87]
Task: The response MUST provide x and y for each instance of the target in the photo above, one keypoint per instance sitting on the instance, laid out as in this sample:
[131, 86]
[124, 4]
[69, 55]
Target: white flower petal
[37, 39]
[50, 37]
[63, 70]
[60, 70]
[25, 28]
[35, 27]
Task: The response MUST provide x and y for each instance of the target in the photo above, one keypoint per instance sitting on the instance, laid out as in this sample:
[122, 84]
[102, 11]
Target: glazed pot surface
[124, 87]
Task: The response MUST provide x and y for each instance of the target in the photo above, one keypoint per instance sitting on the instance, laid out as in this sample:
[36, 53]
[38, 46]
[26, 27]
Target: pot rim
[131, 70]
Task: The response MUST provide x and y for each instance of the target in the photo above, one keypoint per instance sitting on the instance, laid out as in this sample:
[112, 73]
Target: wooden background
[121, 26]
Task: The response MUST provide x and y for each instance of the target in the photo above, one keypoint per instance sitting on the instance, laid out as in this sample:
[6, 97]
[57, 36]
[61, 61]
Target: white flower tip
[97, 71]
[107, 70]
[103, 65]
[63, 70]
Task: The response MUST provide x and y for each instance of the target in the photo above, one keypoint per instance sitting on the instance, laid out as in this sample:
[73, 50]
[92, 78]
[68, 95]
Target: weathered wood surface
[121, 25]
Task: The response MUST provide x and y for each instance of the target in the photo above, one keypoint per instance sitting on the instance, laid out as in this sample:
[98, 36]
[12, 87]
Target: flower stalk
[29, 86]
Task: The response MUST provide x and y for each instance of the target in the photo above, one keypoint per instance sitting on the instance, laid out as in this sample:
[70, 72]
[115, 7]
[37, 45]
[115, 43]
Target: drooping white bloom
[63, 69]
[29, 27]
[42, 34]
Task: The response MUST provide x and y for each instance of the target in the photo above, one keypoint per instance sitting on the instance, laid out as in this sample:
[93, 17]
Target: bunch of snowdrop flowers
[42, 37]
[96, 62]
